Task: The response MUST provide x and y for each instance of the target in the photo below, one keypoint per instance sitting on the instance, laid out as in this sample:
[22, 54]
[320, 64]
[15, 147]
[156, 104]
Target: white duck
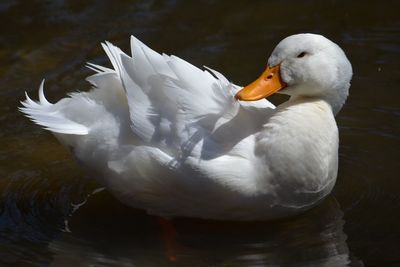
[170, 138]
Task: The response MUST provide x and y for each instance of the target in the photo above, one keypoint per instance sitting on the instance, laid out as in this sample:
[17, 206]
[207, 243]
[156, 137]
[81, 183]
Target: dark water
[48, 214]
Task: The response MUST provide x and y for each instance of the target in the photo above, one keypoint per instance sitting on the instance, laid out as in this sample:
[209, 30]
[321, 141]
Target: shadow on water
[104, 233]
[40, 184]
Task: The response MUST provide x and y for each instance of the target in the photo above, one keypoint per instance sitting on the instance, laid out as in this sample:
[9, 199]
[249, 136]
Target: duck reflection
[116, 235]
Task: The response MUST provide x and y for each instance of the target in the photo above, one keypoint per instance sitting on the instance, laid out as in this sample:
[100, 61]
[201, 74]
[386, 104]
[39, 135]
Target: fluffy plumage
[170, 138]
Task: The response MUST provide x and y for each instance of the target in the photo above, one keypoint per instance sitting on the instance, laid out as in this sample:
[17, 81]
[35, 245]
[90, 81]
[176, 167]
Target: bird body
[167, 137]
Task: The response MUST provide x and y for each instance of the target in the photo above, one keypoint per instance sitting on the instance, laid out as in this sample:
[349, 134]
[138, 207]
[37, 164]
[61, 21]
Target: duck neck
[336, 101]
[335, 97]
[304, 121]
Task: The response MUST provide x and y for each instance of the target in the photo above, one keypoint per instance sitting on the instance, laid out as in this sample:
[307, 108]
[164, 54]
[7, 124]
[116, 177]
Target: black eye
[302, 54]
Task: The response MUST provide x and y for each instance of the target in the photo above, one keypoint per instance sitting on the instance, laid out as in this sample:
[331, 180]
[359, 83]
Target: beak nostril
[269, 77]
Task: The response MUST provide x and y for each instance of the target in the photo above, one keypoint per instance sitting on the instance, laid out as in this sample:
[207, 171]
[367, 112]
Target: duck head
[304, 65]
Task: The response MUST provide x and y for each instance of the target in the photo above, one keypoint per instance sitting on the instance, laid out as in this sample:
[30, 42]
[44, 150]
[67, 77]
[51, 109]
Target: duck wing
[166, 102]
[175, 105]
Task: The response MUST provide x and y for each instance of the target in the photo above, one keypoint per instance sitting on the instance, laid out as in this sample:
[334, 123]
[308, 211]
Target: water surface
[49, 215]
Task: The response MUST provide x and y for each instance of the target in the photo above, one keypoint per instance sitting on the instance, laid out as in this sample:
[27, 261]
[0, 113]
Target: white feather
[44, 114]
[171, 138]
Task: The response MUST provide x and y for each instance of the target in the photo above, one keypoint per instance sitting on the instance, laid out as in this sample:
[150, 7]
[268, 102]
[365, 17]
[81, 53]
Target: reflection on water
[118, 236]
[210, 244]
[40, 185]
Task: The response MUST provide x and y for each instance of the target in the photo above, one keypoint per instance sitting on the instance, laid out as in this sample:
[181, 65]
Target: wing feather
[44, 114]
[172, 103]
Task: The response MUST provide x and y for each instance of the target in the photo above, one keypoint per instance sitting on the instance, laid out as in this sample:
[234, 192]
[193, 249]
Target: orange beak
[267, 84]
